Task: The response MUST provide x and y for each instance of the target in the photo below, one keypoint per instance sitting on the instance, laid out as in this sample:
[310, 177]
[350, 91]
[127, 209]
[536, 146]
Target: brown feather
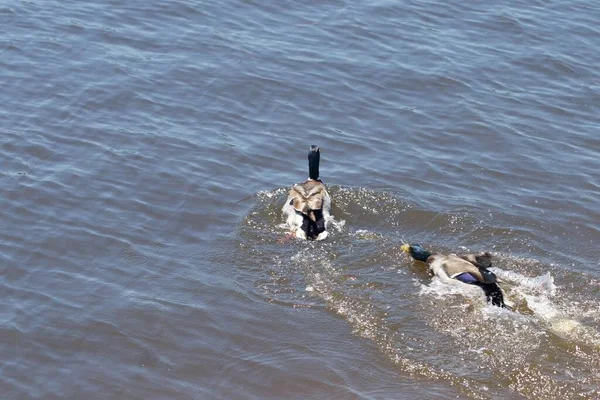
[480, 260]
[307, 197]
[454, 265]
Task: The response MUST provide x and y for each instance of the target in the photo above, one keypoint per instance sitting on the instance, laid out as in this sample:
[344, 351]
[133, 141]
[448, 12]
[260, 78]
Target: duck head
[416, 251]
[314, 156]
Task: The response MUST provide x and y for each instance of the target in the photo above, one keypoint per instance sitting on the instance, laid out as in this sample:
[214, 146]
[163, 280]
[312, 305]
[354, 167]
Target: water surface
[146, 150]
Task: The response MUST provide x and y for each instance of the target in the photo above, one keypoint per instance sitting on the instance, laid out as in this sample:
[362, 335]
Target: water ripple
[146, 150]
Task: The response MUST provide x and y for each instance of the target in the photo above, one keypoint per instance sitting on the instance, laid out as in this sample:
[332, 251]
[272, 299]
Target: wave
[424, 327]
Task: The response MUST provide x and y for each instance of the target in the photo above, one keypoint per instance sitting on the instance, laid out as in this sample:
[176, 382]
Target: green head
[416, 251]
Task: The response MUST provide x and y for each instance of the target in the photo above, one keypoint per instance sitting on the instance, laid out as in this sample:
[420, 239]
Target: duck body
[469, 269]
[308, 205]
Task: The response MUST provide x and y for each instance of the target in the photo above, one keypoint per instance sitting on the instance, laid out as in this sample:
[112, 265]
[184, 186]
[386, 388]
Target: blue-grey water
[146, 148]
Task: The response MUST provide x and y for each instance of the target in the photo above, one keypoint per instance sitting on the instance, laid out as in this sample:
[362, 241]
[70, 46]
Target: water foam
[556, 313]
[440, 289]
[543, 284]
[450, 332]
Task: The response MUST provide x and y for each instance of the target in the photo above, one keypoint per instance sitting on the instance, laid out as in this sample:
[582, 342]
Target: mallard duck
[471, 269]
[308, 204]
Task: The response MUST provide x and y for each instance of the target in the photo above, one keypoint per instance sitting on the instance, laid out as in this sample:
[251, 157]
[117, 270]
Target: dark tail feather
[493, 294]
[313, 228]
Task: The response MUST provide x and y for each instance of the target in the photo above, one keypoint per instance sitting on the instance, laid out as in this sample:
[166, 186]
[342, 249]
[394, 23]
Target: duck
[461, 269]
[308, 205]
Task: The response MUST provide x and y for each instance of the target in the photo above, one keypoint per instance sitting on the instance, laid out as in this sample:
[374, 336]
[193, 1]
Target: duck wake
[558, 313]
[546, 346]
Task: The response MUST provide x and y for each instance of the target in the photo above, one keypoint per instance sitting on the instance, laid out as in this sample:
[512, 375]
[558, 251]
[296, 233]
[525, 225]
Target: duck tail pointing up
[493, 294]
[314, 156]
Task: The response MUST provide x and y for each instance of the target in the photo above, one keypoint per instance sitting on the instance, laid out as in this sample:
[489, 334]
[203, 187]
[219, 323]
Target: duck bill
[405, 247]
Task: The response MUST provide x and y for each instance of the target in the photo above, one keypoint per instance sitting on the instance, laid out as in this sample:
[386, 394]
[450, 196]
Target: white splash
[337, 225]
[555, 313]
[271, 193]
[543, 284]
[365, 234]
[440, 289]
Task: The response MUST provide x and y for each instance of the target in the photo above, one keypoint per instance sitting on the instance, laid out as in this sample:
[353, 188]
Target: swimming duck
[471, 269]
[308, 204]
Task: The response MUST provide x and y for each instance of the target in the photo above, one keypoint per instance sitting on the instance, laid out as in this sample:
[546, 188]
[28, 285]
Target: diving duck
[470, 269]
[308, 204]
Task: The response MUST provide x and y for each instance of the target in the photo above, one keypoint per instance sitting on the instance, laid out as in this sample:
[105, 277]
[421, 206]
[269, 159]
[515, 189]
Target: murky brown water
[146, 149]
